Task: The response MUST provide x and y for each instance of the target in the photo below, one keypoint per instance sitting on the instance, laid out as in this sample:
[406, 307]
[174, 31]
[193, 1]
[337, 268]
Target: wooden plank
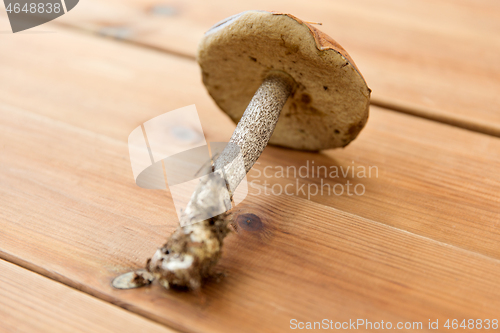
[71, 212]
[433, 180]
[434, 59]
[33, 303]
[68, 194]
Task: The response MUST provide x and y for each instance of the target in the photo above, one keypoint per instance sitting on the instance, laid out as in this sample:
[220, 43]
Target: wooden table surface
[421, 244]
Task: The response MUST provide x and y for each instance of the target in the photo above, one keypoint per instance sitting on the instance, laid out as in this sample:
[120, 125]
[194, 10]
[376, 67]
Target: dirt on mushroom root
[187, 262]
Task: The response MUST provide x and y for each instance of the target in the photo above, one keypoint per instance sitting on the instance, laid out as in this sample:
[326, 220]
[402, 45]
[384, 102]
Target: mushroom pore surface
[329, 105]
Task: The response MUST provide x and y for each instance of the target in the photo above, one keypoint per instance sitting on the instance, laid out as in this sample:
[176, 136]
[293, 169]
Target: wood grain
[434, 59]
[33, 303]
[67, 192]
[83, 221]
[433, 180]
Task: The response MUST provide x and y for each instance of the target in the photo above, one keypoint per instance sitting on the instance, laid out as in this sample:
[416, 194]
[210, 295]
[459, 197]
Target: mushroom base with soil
[193, 250]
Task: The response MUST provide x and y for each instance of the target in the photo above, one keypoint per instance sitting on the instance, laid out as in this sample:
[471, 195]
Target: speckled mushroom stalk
[257, 124]
[193, 249]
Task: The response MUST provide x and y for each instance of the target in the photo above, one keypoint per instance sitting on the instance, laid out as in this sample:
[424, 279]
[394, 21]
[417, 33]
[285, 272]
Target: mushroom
[283, 82]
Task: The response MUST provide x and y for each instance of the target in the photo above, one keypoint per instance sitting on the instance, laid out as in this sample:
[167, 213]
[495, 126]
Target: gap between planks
[427, 113]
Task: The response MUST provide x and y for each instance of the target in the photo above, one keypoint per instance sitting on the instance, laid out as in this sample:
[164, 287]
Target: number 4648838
[34, 8]
[472, 324]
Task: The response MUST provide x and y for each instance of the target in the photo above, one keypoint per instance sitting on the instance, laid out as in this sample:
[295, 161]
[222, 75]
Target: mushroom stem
[257, 125]
[194, 248]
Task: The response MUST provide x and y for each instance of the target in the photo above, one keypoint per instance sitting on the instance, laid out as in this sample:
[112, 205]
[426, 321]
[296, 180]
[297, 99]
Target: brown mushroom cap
[329, 105]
